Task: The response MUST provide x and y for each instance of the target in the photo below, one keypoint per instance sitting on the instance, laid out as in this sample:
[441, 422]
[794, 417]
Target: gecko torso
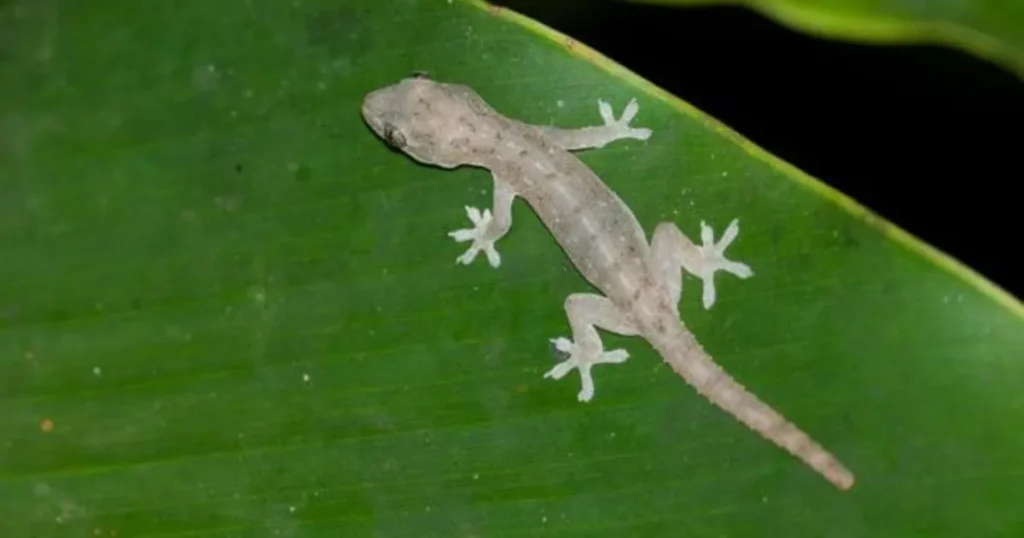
[449, 125]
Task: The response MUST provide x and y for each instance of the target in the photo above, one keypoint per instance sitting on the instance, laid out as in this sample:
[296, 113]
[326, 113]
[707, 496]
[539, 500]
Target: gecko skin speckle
[450, 125]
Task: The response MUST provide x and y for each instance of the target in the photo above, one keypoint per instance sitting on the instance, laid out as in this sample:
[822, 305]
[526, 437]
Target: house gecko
[450, 125]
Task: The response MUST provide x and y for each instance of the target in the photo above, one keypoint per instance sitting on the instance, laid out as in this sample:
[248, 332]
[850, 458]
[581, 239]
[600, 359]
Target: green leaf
[990, 29]
[227, 309]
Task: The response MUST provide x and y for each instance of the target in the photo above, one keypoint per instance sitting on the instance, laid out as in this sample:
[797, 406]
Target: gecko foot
[583, 360]
[480, 237]
[714, 259]
[622, 124]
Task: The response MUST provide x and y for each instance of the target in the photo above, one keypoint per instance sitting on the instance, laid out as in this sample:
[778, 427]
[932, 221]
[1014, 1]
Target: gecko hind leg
[585, 312]
[673, 252]
[487, 227]
[598, 136]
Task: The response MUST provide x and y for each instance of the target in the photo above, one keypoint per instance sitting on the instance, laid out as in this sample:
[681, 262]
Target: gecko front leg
[488, 227]
[585, 312]
[672, 251]
[598, 136]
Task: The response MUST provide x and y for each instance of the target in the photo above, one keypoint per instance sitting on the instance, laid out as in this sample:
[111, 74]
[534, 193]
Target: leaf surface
[227, 309]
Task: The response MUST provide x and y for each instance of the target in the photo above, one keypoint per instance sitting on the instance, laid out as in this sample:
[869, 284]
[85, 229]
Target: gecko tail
[686, 356]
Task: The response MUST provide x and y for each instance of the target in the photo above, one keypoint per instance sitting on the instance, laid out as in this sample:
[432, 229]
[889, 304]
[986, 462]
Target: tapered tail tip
[842, 479]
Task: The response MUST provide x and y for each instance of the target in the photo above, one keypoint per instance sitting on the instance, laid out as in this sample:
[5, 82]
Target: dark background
[926, 136]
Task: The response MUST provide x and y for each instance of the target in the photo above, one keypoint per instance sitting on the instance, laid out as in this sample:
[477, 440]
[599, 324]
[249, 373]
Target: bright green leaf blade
[991, 29]
[228, 310]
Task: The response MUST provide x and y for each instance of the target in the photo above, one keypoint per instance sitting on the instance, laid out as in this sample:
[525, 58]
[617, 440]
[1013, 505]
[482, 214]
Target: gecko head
[421, 118]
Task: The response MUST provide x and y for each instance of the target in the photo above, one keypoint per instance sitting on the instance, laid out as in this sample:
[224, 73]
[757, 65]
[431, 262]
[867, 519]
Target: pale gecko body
[450, 125]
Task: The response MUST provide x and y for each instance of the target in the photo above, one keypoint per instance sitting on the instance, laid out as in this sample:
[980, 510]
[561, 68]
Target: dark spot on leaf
[846, 238]
[889, 287]
[238, 168]
[776, 234]
[59, 314]
[841, 229]
[11, 313]
[302, 173]
[341, 30]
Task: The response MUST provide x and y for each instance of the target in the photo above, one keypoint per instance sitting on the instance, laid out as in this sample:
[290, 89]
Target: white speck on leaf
[343, 66]
[96, 371]
[305, 378]
[206, 77]
[560, 103]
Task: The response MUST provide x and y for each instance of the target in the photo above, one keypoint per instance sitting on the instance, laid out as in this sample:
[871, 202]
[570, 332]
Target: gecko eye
[393, 137]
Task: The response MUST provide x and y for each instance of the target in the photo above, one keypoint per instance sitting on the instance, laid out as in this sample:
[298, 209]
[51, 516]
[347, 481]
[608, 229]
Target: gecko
[449, 125]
